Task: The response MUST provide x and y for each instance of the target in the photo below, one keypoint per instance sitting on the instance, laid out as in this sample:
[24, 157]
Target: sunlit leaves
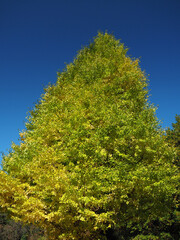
[92, 156]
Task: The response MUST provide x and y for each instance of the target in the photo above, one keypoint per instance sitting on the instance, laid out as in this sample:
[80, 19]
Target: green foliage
[93, 156]
[146, 237]
[173, 137]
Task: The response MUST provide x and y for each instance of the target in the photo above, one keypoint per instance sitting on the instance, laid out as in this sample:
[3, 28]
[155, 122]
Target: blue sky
[37, 38]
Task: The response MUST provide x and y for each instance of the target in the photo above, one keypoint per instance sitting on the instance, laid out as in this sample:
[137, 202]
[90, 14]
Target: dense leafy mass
[92, 158]
[173, 137]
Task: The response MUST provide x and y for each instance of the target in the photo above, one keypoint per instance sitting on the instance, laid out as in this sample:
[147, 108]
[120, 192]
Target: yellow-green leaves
[92, 156]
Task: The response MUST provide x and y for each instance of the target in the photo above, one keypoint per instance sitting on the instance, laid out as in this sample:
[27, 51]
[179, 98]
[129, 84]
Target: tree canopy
[173, 137]
[93, 156]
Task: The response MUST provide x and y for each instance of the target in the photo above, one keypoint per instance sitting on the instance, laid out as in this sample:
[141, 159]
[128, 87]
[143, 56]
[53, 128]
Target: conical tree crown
[102, 89]
[92, 156]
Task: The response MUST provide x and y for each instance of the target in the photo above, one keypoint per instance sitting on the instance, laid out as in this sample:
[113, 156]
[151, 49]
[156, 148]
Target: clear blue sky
[37, 38]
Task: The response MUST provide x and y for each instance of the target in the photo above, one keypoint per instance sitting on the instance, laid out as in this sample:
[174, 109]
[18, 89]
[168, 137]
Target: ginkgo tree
[93, 156]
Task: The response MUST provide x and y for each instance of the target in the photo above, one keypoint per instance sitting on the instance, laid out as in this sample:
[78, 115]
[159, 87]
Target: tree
[173, 137]
[93, 156]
